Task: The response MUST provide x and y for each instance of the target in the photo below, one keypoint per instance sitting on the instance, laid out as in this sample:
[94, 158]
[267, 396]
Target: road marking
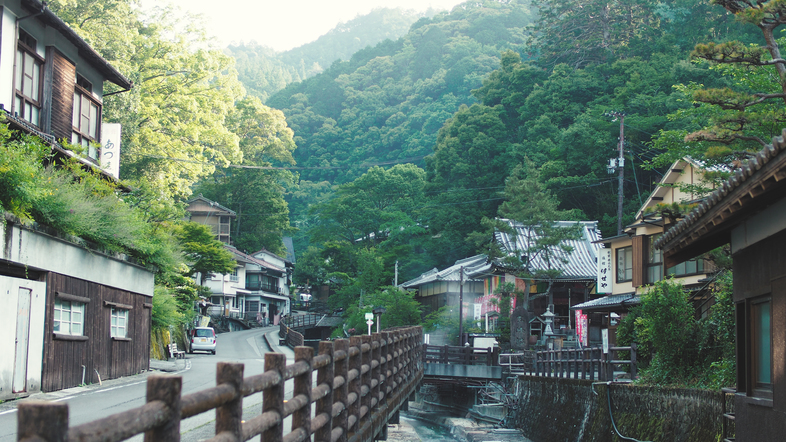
[252, 342]
[7, 411]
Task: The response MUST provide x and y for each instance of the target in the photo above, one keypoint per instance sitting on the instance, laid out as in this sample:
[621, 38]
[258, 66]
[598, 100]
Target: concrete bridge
[361, 384]
[444, 362]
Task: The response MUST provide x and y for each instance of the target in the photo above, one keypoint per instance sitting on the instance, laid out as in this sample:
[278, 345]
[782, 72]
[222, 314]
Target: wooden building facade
[97, 350]
[749, 212]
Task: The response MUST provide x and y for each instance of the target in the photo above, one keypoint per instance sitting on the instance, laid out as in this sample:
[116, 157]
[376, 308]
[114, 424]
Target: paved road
[198, 371]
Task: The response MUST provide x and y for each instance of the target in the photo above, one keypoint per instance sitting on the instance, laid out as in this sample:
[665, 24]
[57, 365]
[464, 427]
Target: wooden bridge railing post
[384, 369]
[229, 417]
[342, 392]
[365, 404]
[42, 421]
[301, 418]
[633, 363]
[325, 375]
[376, 355]
[355, 364]
[168, 390]
[273, 397]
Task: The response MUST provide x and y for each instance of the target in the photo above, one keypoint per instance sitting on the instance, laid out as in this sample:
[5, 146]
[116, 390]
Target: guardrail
[360, 385]
[302, 320]
[446, 354]
[584, 363]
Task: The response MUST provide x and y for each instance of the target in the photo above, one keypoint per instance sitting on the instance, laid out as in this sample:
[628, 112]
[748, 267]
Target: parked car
[203, 339]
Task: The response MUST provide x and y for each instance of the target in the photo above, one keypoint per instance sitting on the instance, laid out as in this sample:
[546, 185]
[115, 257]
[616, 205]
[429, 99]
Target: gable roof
[212, 204]
[581, 263]
[452, 273]
[85, 50]
[244, 257]
[758, 183]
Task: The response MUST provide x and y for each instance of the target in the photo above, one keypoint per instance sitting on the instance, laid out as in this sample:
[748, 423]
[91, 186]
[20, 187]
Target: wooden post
[385, 356]
[229, 417]
[301, 418]
[340, 395]
[633, 367]
[355, 363]
[365, 404]
[273, 397]
[325, 375]
[166, 389]
[42, 421]
[376, 373]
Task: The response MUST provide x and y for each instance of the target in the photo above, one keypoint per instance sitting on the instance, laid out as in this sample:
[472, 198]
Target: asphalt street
[198, 371]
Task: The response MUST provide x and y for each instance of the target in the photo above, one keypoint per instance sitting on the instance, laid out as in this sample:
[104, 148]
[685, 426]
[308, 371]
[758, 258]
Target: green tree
[533, 207]
[204, 252]
[401, 309]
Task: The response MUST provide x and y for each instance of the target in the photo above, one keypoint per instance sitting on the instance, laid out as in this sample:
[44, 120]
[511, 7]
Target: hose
[613, 424]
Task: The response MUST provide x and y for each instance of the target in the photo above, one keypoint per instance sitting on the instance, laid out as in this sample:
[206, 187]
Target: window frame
[627, 272]
[115, 314]
[654, 268]
[79, 135]
[23, 48]
[760, 389]
[699, 268]
[57, 319]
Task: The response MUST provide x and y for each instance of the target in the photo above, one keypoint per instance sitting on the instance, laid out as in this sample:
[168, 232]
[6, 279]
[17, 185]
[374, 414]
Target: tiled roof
[211, 203]
[581, 263]
[739, 177]
[609, 302]
[250, 259]
[451, 273]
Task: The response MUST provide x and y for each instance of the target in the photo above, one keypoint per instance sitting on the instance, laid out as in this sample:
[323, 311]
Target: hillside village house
[748, 212]
[483, 276]
[69, 314]
[629, 263]
[258, 287]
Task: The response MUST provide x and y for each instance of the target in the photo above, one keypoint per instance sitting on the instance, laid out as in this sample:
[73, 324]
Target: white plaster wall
[39, 250]
[9, 296]
[7, 53]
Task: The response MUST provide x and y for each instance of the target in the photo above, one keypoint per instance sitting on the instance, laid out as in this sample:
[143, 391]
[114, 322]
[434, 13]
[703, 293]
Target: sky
[285, 24]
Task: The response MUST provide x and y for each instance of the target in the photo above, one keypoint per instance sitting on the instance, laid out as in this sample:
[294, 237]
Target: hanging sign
[604, 271]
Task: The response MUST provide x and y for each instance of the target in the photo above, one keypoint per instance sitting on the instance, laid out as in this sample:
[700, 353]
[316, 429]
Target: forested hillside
[264, 71]
[470, 94]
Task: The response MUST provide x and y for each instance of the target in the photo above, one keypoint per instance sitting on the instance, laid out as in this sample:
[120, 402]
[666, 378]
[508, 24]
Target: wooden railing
[360, 385]
[446, 354]
[289, 336]
[584, 363]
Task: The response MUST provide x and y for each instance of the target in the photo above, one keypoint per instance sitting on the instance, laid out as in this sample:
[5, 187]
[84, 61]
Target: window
[233, 275]
[69, 317]
[85, 118]
[691, 267]
[655, 261]
[625, 264]
[27, 105]
[119, 323]
[761, 348]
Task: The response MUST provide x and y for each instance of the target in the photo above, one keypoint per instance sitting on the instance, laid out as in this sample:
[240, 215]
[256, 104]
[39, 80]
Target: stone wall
[555, 410]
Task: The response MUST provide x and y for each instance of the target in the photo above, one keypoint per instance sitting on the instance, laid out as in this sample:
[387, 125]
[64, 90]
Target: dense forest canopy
[397, 152]
[264, 71]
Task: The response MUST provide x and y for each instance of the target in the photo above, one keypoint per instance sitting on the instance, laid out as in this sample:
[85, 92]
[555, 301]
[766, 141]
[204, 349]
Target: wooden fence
[290, 336]
[361, 384]
[446, 354]
[584, 363]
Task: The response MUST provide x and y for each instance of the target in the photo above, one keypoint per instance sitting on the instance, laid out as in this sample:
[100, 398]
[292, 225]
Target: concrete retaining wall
[555, 410]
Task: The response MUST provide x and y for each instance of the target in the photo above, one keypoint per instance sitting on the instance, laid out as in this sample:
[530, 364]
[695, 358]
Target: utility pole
[395, 279]
[620, 165]
[461, 305]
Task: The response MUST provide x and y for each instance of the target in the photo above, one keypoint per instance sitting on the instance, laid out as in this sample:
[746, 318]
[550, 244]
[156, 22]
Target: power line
[241, 166]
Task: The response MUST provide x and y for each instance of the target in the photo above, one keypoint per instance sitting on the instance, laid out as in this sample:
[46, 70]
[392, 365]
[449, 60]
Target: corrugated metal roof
[581, 263]
[451, 273]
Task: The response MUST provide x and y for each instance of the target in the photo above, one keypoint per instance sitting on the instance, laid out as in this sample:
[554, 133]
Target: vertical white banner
[604, 271]
[477, 314]
[110, 148]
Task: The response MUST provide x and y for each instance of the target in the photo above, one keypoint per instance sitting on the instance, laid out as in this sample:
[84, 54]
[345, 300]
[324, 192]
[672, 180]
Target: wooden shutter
[639, 260]
[61, 105]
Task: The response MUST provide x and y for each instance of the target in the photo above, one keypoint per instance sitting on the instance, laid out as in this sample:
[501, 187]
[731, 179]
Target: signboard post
[604, 271]
[369, 321]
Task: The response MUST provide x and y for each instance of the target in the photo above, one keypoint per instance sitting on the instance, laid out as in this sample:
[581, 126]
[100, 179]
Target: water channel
[421, 431]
